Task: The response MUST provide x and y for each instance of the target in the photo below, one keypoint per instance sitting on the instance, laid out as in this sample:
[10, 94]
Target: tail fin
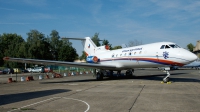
[88, 44]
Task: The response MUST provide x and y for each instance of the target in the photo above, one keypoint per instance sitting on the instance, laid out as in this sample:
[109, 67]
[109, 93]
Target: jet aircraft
[101, 59]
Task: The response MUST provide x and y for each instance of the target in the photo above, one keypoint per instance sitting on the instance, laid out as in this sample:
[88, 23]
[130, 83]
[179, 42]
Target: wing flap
[59, 63]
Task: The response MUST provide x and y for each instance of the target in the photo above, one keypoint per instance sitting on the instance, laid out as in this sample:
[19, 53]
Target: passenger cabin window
[140, 52]
[116, 55]
[113, 55]
[129, 53]
[125, 54]
[120, 54]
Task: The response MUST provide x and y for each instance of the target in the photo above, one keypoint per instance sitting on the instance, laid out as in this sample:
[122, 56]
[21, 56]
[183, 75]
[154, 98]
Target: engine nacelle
[92, 59]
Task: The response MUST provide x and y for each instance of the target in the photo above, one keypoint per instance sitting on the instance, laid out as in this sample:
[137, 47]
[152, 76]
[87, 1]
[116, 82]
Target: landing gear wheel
[129, 73]
[165, 80]
[132, 71]
[111, 74]
[99, 76]
[118, 73]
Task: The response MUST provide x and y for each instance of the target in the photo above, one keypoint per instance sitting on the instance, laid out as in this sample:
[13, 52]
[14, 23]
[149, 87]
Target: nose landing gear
[166, 78]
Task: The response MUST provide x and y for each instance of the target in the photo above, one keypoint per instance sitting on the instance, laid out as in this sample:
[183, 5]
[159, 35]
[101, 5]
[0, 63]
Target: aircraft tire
[129, 73]
[132, 71]
[99, 76]
[165, 80]
[111, 74]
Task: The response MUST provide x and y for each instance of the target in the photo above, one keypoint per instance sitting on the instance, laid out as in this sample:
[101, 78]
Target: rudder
[89, 46]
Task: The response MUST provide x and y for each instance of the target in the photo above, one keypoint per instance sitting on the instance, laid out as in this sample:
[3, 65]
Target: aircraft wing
[59, 63]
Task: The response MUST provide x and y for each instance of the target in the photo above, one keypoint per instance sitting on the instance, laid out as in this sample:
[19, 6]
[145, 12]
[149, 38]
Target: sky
[118, 21]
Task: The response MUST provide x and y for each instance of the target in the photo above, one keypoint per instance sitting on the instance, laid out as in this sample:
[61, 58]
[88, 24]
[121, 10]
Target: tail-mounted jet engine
[92, 59]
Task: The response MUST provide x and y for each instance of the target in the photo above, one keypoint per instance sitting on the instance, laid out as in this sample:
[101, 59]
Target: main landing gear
[99, 76]
[100, 73]
[129, 73]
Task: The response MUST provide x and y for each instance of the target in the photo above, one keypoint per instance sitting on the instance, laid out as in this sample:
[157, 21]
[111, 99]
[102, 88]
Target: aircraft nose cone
[188, 56]
[192, 57]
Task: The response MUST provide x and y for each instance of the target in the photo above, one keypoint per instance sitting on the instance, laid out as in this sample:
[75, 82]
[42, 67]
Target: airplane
[101, 59]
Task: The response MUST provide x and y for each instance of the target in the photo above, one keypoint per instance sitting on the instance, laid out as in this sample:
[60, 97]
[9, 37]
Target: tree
[38, 46]
[22, 52]
[1, 51]
[55, 44]
[116, 47]
[10, 45]
[190, 47]
[134, 43]
[95, 39]
[83, 56]
[67, 52]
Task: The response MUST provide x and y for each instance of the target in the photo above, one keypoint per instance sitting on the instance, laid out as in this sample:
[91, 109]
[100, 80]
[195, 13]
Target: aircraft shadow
[12, 98]
[184, 80]
[72, 81]
[158, 77]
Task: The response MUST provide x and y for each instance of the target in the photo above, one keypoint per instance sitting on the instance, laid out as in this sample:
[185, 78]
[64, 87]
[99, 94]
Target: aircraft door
[157, 56]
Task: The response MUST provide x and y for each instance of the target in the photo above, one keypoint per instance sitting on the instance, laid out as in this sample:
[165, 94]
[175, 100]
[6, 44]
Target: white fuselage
[149, 55]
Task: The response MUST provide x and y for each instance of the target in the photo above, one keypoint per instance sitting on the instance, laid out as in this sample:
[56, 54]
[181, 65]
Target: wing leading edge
[59, 63]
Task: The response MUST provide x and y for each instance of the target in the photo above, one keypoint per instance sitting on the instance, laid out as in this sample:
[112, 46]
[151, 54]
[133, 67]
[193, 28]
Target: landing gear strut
[98, 74]
[129, 73]
[166, 78]
[111, 74]
[118, 73]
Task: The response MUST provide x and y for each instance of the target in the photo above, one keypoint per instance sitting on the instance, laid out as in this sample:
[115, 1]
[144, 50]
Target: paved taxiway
[83, 93]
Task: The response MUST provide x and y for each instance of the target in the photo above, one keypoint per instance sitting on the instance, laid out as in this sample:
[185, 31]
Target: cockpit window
[167, 47]
[162, 47]
[174, 46]
[177, 46]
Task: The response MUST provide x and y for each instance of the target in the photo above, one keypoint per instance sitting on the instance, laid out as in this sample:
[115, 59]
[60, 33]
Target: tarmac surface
[80, 93]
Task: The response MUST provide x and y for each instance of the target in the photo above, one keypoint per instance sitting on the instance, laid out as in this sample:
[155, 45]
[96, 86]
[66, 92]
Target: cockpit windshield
[174, 46]
[169, 46]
